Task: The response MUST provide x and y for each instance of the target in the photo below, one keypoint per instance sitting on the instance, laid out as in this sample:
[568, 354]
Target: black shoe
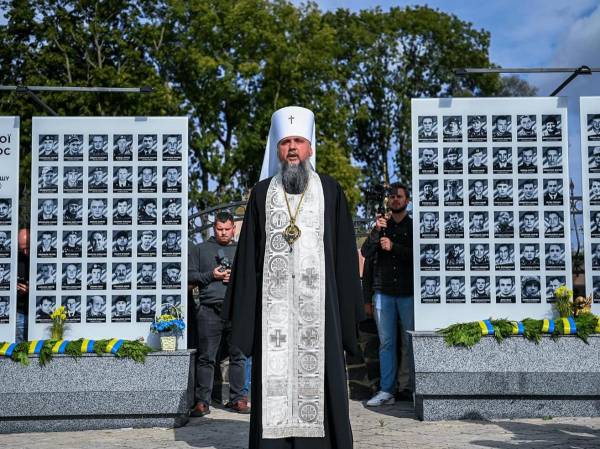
[199, 410]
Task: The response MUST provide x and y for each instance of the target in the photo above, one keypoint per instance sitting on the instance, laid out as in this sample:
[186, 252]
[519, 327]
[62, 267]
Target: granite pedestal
[514, 379]
[96, 392]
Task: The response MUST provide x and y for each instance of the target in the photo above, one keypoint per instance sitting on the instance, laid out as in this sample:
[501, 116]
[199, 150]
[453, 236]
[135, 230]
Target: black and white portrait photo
[73, 147]
[171, 274]
[47, 211]
[6, 211]
[454, 224]
[168, 302]
[98, 179]
[526, 128]
[480, 289]
[146, 275]
[428, 192]
[596, 256]
[121, 276]
[453, 161]
[593, 127]
[430, 289]
[502, 160]
[98, 147]
[479, 224]
[121, 243]
[430, 257]
[71, 276]
[122, 144]
[5, 276]
[122, 180]
[71, 244]
[97, 211]
[73, 180]
[594, 184]
[44, 306]
[46, 244]
[551, 127]
[594, 159]
[5, 244]
[554, 224]
[427, 129]
[453, 192]
[96, 309]
[171, 243]
[72, 211]
[452, 128]
[48, 147]
[553, 282]
[504, 258]
[478, 192]
[4, 309]
[455, 257]
[147, 180]
[455, 289]
[146, 308]
[171, 180]
[478, 160]
[122, 210]
[531, 289]
[146, 243]
[553, 195]
[428, 224]
[121, 309]
[527, 159]
[555, 256]
[96, 276]
[530, 256]
[146, 211]
[503, 191]
[528, 192]
[45, 275]
[72, 305]
[428, 158]
[480, 256]
[505, 289]
[477, 128]
[147, 150]
[48, 179]
[553, 160]
[97, 242]
[172, 147]
[529, 224]
[501, 128]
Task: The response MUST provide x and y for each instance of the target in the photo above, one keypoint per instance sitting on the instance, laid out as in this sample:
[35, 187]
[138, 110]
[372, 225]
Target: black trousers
[211, 329]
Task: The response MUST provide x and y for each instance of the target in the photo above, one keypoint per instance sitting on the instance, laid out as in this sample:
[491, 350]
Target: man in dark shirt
[209, 269]
[388, 252]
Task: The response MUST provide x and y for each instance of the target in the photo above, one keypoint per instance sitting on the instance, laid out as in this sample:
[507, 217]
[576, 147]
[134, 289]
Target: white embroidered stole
[293, 316]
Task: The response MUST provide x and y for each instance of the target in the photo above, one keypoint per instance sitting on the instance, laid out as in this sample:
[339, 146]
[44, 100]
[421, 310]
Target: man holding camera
[209, 266]
[389, 258]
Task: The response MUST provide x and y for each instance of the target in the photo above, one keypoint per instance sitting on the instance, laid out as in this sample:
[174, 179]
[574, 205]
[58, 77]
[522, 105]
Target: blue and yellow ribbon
[60, 346]
[569, 325]
[35, 346]
[7, 349]
[486, 327]
[548, 326]
[518, 328]
[87, 345]
[113, 345]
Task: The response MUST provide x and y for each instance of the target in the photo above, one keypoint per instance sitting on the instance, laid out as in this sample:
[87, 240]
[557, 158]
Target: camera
[377, 196]
[223, 261]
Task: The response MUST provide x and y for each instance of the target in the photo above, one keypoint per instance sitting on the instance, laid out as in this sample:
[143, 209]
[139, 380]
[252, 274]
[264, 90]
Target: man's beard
[295, 176]
[397, 210]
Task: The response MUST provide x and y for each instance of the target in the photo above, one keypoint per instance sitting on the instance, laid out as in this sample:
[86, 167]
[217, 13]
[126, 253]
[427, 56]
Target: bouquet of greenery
[171, 322]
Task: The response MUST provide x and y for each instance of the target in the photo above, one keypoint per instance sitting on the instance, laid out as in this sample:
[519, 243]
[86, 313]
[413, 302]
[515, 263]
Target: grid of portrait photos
[9, 217]
[590, 150]
[109, 223]
[491, 205]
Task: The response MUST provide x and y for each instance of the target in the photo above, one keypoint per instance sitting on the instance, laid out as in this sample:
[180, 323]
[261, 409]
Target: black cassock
[343, 310]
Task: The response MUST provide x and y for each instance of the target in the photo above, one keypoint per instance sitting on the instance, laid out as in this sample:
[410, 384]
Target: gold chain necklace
[291, 233]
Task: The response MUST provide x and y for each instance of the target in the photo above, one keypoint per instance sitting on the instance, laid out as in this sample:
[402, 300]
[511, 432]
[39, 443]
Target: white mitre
[286, 122]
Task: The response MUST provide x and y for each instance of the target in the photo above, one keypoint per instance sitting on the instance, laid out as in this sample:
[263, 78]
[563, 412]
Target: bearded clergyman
[294, 298]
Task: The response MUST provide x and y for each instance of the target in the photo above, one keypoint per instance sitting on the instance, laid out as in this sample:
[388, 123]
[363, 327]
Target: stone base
[96, 392]
[512, 379]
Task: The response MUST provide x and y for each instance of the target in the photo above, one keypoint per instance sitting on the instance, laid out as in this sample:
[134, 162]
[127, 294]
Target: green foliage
[502, 329]
[586, 325]
[462, 334]
[135, 350]
[20, 353]
[532, 329]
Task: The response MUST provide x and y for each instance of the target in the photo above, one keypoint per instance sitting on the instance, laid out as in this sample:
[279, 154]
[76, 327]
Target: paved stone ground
[384, 427]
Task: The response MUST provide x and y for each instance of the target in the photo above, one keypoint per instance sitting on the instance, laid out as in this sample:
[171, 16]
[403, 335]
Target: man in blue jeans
[388, 280]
